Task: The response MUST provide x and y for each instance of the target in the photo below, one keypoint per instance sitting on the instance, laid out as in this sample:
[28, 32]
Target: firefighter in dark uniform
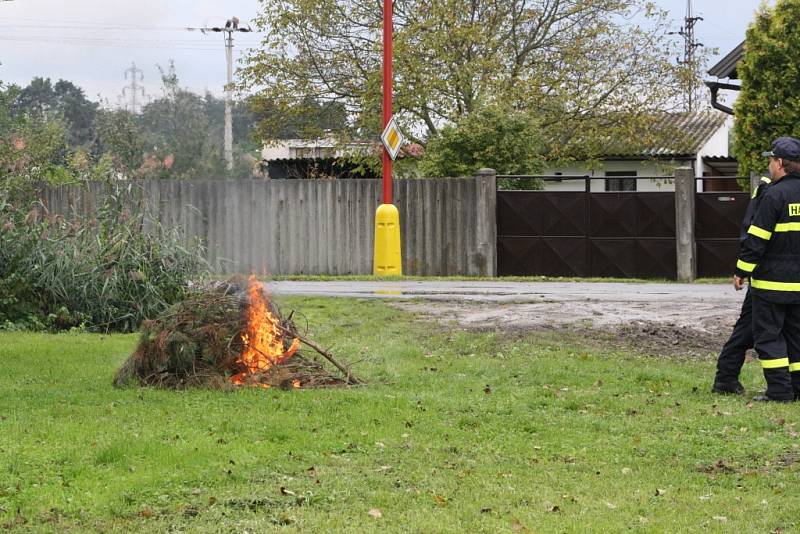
[731, 359]
[770, 257]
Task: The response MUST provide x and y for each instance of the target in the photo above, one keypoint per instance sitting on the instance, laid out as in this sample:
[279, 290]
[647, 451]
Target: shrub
[106, 272]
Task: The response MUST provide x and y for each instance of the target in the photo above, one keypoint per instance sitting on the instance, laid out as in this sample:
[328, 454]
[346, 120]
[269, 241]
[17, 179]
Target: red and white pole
[387, 257]
[387, 96]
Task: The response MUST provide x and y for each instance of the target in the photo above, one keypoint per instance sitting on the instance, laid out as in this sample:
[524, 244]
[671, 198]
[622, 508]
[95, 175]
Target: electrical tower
[689, 60]
[231, 26]
[134, 90]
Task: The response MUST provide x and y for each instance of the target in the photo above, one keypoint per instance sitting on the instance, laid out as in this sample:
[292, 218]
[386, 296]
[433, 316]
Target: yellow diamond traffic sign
[393, 139]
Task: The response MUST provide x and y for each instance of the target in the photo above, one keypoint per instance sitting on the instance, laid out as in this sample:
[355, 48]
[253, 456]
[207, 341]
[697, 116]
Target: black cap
[785, 148]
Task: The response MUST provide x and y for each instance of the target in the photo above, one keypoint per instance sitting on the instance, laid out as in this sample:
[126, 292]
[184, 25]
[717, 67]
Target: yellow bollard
[387, 259]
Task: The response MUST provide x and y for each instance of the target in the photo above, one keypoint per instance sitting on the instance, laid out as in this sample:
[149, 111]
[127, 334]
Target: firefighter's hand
[738, 283]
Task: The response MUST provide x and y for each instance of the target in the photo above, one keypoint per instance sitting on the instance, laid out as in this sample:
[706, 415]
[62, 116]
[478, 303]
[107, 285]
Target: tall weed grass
[105, 272]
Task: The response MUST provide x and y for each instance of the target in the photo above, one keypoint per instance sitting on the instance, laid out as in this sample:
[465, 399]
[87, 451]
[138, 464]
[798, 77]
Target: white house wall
[717, 144]
[642, 168]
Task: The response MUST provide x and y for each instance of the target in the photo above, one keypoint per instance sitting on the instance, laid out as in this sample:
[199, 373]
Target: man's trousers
[776, 330]
[731, 359]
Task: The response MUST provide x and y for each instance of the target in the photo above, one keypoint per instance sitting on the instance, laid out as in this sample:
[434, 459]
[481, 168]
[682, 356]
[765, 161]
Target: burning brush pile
[223, 337]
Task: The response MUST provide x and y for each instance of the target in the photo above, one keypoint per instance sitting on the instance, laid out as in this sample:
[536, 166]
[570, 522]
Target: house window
[616, 182]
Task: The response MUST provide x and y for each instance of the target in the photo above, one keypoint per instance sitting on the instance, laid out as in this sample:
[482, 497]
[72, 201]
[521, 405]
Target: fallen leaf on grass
[626, 470]
[554, 509]
[516, 526]
[721, 518]
[439, 500]
[611, 506]
[660, 492]
[285, 491]
[147, 513]
[311, 472]
[376, 513]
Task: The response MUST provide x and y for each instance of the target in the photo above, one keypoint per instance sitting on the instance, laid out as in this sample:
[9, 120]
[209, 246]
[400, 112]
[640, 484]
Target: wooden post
[486, 225]
[684, 224]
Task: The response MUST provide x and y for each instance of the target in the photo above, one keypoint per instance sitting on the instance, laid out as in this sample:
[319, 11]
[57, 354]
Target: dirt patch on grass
[663, 328]
[668, 339]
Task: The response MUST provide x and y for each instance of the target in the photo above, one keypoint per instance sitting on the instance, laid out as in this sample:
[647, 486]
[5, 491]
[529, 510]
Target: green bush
[108, 272]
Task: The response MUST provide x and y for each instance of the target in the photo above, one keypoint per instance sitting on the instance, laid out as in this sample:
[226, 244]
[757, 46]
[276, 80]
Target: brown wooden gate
[718, 220]
[612, 234]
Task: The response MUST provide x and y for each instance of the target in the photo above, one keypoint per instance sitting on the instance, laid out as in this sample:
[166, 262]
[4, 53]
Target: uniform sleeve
[758, 235]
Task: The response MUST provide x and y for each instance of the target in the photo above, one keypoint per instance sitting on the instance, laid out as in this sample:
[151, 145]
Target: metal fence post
[684, 224]
[486, 227]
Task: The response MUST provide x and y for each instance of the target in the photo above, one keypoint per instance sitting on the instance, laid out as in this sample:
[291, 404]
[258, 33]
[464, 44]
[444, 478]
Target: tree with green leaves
[64, 101]
[768, 105]
[120, 137]
[585, 72]
[176, 125]
[506, 140]
[33, 147]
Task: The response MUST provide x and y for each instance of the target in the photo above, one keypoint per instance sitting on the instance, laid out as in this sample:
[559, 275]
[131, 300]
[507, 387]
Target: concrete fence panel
[314, 226]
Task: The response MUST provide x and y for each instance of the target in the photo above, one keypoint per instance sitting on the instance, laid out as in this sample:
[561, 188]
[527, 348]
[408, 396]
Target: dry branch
[327, 355]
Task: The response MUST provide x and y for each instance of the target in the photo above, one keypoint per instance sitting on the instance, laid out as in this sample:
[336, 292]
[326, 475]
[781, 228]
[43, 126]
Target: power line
[86, 24]
[110, 43]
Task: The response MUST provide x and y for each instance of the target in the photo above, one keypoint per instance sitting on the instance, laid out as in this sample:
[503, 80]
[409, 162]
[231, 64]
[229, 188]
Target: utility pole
[231, 26]
[689, 48]
[134, 89]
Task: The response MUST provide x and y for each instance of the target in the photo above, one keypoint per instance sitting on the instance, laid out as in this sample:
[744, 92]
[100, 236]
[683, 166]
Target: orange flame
[263, 339]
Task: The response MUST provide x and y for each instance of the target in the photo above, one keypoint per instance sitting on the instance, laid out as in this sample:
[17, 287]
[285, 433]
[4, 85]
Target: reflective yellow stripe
[759, 232]
[788, 227]
[774, 364]
[746, 267]
[774, 286]
[766, 180]
[794, 367]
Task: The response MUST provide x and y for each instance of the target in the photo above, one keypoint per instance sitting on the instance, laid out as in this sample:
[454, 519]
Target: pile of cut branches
[198, 343]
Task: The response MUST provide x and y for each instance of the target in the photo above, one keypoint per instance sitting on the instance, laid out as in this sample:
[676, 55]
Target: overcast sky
[92, 42]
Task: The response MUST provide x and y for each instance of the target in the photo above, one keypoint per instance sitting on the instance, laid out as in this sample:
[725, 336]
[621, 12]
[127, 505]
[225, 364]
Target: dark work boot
[728, 389]
[767, 398]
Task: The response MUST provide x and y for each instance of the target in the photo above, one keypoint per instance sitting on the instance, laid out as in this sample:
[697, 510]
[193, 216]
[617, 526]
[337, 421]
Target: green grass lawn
[456, 432]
